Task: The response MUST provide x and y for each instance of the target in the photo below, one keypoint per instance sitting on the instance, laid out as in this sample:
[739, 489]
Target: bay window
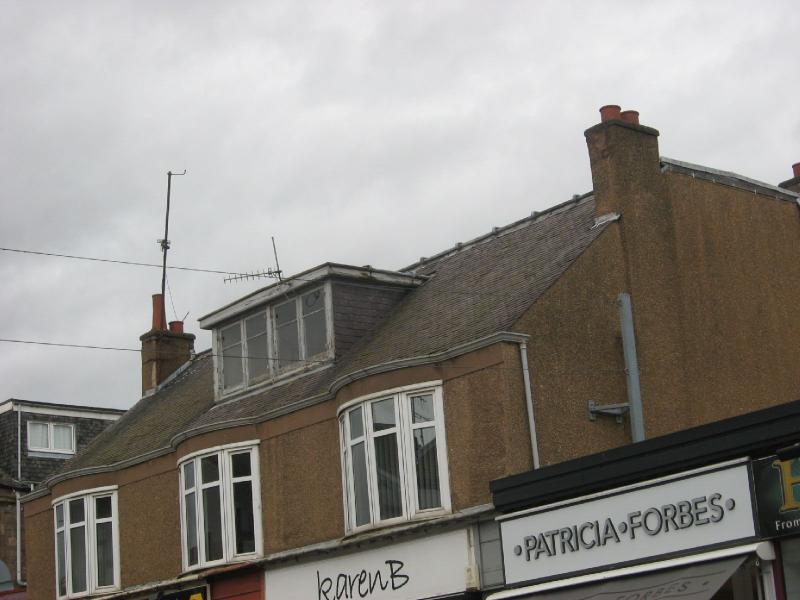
[87, 543]
[277, 338]
[220, 505]
[394, 457]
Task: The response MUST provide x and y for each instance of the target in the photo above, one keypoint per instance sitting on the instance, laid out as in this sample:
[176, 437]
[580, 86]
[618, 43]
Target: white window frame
[90, 522]
[273, 370]
[226, 481]
[50, 448]
[407, 464]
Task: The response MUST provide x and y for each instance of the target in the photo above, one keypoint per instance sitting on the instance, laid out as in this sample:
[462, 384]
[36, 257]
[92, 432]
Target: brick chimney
[164, 349]
[793, 184]
[624, 159]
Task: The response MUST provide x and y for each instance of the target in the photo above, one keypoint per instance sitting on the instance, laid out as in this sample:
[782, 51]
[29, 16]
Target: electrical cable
[120, 262]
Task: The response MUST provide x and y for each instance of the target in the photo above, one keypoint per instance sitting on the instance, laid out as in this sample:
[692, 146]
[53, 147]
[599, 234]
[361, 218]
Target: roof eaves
[414, 361]
[57, 405]
[304, 279]
[727, 178]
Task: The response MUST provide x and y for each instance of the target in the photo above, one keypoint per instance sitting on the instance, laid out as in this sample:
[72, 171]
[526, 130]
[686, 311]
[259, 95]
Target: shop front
[690, 535]
[438, 565]
[776, 481]
[709, 513]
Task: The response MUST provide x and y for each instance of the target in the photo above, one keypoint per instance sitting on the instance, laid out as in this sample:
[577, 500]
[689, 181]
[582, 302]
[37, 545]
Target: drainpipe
[20, 581]
[631, 367]
[526, 379]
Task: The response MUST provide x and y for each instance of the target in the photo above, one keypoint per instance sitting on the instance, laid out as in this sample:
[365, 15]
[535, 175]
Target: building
[340, 437]
[708, 512]
[36, 439]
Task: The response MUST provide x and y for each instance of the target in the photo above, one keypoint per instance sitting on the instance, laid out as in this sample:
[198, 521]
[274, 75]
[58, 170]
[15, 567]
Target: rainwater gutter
[526, 379]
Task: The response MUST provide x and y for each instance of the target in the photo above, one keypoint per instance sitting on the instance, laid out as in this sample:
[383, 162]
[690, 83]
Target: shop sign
[423, 568]
[629, 526]
[195, 593]
[777, 485]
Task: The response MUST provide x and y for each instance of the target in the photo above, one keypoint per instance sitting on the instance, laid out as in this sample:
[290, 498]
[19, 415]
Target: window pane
[256, 331]
[360, 484]
[240, 464]
[38, 435]
[288, 346]
[62, 437]
[422, 408]
[257, 363]
[285, 313]
[102, 507]
[105, 553]
[244, 526]
[59, 515]
[388, 473]
[316, 333]
[76, 511]
[232, 375]
[427, 468]
[61, 574]
[191, 528]
[209, 468]
[77, 541]
[188, 475]
[256, 325]
[383, 414]
[356, 423]
[212, 522]
[231, 335]
[313, 301]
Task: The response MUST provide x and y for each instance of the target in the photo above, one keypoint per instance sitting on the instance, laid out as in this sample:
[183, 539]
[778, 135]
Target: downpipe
[526, 379]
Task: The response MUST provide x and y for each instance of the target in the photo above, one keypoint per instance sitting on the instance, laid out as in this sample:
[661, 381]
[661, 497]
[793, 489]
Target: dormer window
[282, 337]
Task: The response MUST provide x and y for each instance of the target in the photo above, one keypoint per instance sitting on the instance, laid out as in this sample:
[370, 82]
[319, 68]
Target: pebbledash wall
[710, 262]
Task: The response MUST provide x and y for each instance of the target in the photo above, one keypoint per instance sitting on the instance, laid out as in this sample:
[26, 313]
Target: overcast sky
[355, 132]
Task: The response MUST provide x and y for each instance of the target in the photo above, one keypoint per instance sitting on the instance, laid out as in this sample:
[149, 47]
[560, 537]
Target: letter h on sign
[789, 480]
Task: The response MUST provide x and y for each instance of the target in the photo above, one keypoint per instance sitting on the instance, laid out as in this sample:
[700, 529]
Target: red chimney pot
[796, 169]
[176, 326]
[159, 316]
[609, 112]
[630, 116]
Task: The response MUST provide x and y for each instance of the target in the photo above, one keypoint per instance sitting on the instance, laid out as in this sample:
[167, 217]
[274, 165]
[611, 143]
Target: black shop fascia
[708, 513]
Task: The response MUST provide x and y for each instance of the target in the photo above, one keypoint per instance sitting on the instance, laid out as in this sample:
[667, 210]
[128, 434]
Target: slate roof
[150, 424]
[475, 289]
[5, 479]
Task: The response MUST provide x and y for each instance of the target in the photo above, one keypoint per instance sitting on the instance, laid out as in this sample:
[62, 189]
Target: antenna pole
[165, 241]
[277, 266]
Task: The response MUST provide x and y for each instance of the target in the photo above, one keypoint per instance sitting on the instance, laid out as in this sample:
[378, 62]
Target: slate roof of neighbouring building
[474, 290]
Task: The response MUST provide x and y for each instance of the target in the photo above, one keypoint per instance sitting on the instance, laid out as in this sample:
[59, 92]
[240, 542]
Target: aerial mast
[165, 242]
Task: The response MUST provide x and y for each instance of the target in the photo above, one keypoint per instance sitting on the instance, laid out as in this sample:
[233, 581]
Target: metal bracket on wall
[614, 410]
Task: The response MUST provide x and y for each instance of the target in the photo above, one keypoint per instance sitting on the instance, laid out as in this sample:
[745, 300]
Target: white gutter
[526, 379]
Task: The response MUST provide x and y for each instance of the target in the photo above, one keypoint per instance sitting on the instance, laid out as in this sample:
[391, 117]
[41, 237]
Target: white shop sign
[421, 568]
[673, 516]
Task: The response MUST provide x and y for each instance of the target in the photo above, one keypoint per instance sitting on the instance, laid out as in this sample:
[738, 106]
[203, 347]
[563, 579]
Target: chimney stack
[793, 184]
[624, 159]
[163, 350]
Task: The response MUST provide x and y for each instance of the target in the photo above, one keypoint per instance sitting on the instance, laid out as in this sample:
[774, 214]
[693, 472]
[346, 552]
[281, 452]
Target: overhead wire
[437, 363]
